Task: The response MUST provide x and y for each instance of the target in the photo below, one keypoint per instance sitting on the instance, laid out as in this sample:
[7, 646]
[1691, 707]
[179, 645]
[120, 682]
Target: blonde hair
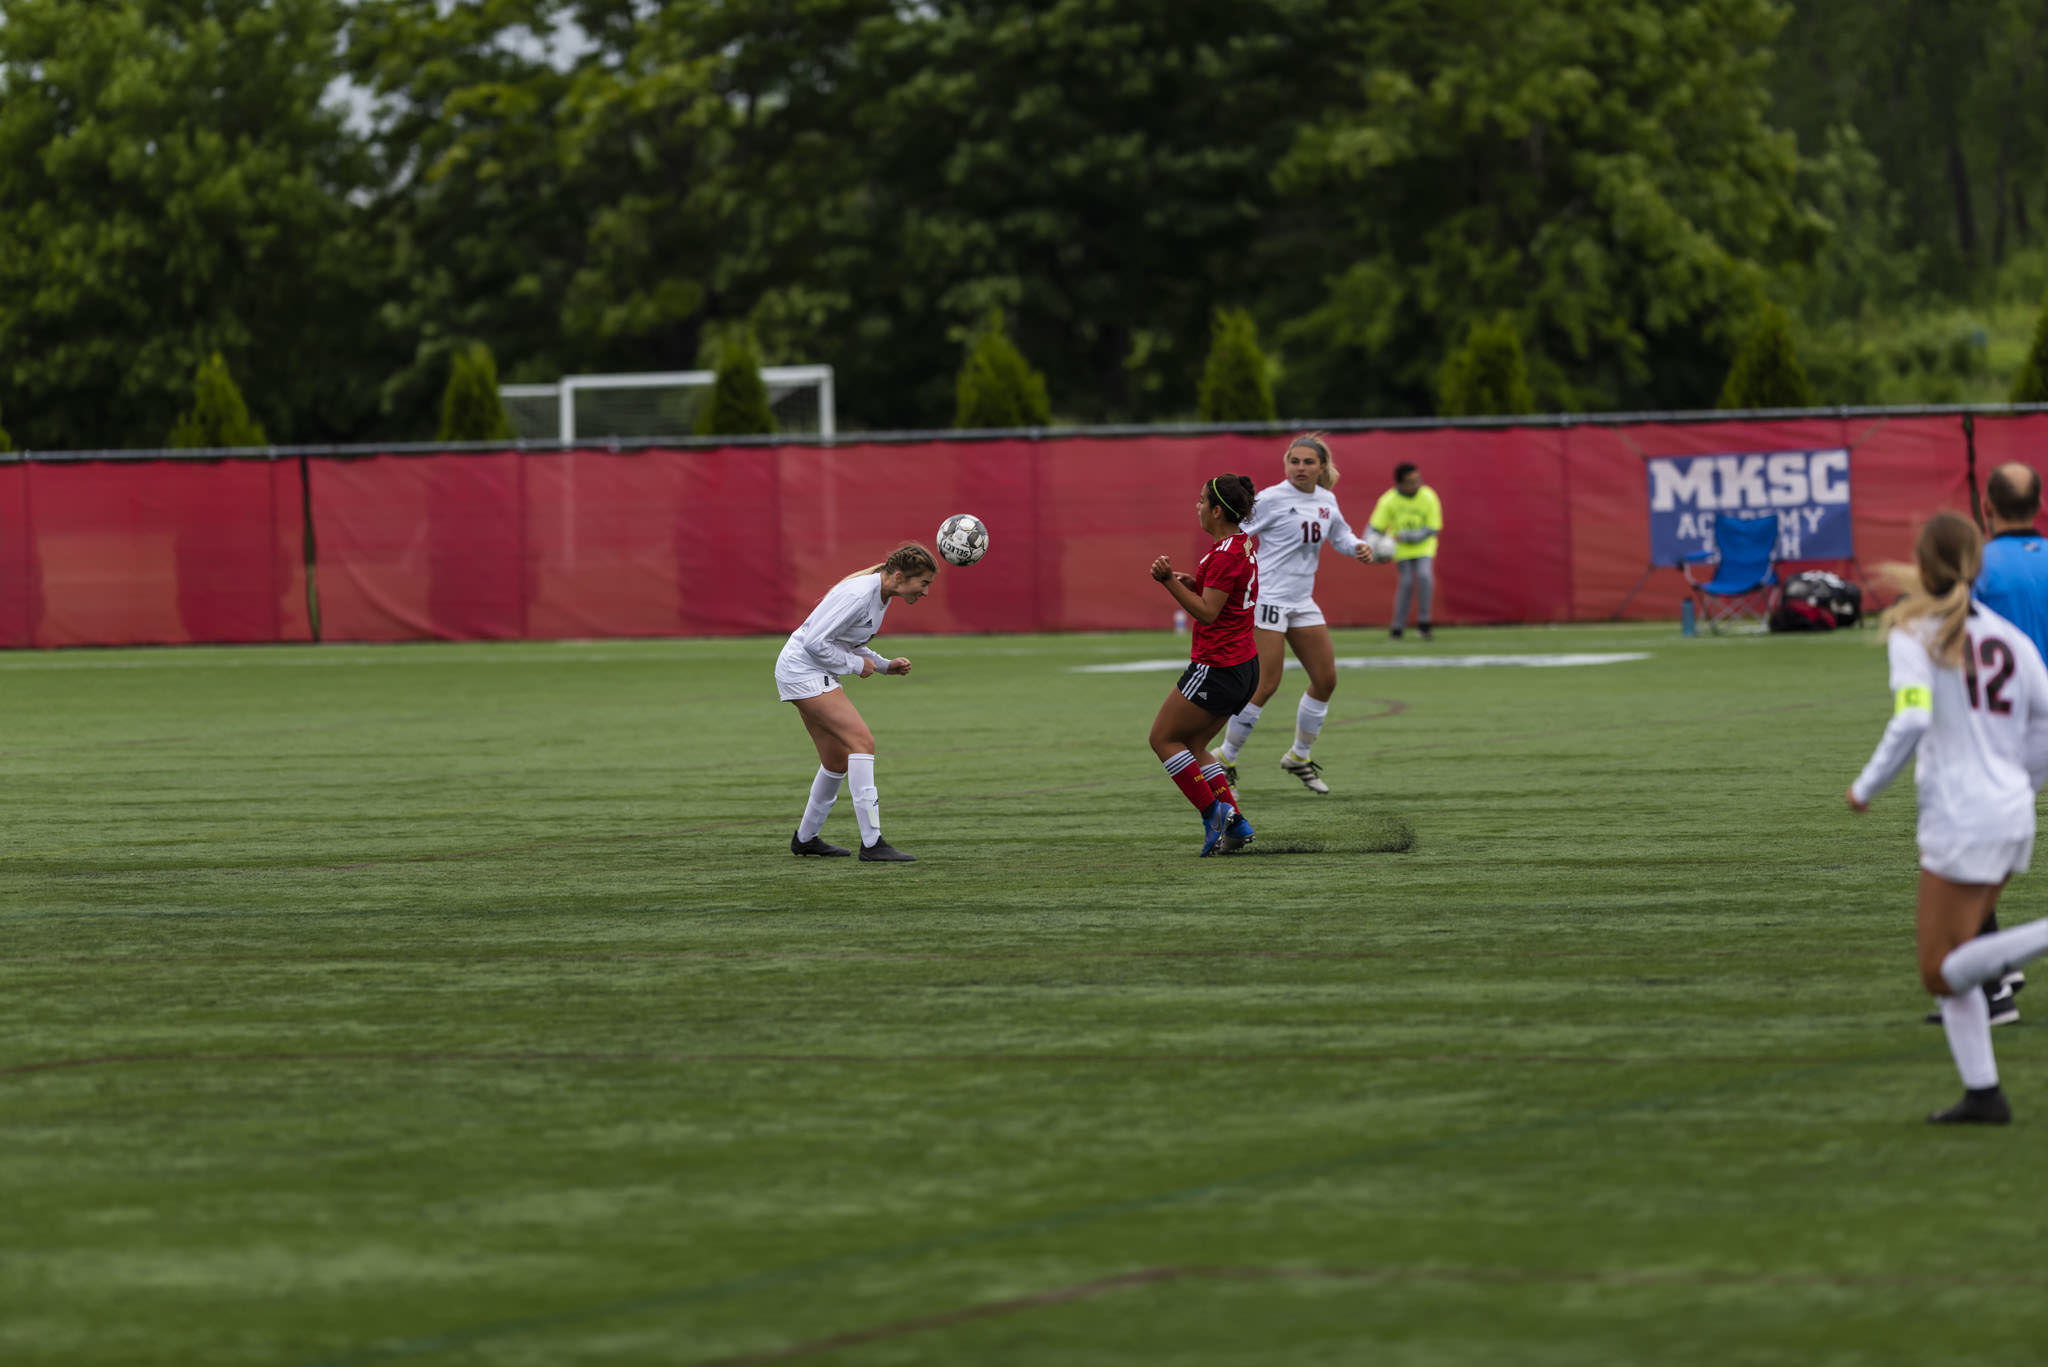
[1947, 552]
[1314, 442]
[910, 559]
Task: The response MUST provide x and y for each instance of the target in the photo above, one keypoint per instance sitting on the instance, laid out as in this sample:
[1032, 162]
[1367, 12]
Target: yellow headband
[1217, 494]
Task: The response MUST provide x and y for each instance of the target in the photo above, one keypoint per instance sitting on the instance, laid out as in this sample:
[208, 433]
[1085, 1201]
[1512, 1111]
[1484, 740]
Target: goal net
[659, 403]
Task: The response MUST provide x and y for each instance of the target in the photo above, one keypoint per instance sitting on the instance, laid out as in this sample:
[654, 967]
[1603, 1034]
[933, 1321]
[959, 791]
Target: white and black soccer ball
[963, 539]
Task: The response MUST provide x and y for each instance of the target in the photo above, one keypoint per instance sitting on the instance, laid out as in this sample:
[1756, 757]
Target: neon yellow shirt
[1397, 512]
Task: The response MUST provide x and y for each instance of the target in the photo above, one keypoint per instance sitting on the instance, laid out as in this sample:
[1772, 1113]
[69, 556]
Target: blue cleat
[1215, 823]
[1236, 835]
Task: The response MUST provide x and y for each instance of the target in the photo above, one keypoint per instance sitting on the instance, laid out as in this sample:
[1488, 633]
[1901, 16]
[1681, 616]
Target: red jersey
[1232, 565]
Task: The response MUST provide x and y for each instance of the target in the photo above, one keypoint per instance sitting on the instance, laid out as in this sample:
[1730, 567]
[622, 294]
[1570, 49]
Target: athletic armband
[1910, 699]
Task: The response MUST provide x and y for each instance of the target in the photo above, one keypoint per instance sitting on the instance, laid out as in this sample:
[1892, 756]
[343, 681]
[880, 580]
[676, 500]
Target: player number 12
[1995, 654]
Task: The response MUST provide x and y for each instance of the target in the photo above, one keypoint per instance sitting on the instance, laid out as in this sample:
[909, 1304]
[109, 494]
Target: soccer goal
[659, 403]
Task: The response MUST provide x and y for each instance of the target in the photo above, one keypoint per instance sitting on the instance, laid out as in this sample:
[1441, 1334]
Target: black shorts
[1220, 689]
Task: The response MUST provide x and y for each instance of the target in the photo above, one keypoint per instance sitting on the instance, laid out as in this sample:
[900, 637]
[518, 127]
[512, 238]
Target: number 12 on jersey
[1995, 654]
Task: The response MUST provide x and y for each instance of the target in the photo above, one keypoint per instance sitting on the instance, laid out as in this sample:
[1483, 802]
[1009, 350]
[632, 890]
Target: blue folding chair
[1744, 589]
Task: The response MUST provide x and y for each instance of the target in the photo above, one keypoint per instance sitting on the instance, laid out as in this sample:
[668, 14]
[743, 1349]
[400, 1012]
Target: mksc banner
[1808, 490]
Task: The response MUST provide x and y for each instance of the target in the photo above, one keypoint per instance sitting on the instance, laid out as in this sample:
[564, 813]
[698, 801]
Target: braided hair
[909, 559]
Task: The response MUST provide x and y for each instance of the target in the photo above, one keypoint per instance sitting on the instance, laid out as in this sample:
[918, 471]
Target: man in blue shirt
[2014, 580]
[2014, 584]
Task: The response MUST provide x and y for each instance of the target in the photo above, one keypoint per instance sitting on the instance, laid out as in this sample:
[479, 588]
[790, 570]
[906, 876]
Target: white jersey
[1981, 730]
[834, 638]
[1292, 528]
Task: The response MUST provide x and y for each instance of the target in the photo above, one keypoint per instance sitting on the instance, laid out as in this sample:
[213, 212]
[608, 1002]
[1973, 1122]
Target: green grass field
[462, 1005]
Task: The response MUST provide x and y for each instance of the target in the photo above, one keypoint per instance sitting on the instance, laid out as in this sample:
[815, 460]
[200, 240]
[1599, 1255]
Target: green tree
[176, 185]
[724, 177]
[1605, 170]
[1487, 374]
[1951, 98]
[471, 409]
[1235, 385]
[481, 208]
[6, 442]
[2031, 386]
[738, 403]
[1766, 372]
[1863, 269]
[218, 416]
[860, 180]
[997, 387]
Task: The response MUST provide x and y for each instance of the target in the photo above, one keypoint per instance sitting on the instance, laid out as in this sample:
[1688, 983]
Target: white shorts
[1282, 616]
[1986, 861]
[799, 677]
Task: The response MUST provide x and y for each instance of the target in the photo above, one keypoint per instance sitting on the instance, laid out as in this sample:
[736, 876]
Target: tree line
[1070, 210]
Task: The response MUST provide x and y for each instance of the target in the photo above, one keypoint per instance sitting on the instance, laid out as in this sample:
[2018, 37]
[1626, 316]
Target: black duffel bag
[1815, 600]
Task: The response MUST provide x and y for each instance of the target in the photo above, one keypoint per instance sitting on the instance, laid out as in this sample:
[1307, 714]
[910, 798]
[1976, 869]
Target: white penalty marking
[1556, 661]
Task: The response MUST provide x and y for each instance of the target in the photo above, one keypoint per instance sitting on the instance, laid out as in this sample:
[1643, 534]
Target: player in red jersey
[1223, 666]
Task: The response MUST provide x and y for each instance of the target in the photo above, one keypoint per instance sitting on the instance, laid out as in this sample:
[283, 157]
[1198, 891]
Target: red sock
[1195, 786]
[1220, 786]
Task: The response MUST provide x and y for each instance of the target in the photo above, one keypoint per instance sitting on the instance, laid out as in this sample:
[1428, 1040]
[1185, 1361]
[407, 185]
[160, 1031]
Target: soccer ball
[963, 539]
[1382, 544]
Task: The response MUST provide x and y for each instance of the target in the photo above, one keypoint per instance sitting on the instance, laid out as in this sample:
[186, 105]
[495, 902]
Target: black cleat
[2004, 1010]
[1978, 1107]
[1394, 633]
[1424, 630]
[818, 847]
[882, 852]
[1230, 774]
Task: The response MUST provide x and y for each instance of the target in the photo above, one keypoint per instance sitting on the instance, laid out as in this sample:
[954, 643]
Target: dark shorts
[1220, 689]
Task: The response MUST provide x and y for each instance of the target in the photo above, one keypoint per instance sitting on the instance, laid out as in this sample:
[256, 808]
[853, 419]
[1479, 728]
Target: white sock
[824, 792]
[867, 803]
[1237, 731]
[1966, 1020]
[1994, 955]
[1308, 723]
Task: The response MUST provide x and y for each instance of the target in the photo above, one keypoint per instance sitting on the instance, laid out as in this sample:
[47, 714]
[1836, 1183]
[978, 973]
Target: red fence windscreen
[1901, 471]
[21, 594]
[152, 552]
[413, 547]
[1542, 524]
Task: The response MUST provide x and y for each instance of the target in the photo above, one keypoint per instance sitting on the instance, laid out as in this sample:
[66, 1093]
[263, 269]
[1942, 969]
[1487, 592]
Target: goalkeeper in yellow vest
[1412, 517]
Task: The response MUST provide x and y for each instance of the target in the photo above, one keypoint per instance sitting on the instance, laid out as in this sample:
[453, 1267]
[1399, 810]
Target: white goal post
[659, 403]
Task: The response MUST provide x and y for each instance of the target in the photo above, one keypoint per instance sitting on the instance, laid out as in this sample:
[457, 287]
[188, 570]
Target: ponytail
[1948, 553]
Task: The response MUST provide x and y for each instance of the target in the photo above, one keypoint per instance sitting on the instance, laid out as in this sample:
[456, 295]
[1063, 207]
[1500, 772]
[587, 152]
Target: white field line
[682, 651]
[450, 653]
[1555, 661]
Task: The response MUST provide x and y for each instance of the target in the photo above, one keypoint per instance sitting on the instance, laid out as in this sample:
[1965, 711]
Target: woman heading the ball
[834, 641]
[1223, 664]
[1296, 518]
[1971, 697]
